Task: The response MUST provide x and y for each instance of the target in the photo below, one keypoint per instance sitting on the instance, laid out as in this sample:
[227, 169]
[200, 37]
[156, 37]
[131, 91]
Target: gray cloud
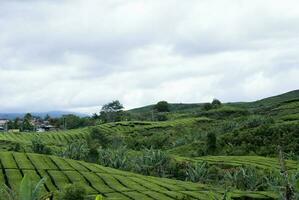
[77, 55]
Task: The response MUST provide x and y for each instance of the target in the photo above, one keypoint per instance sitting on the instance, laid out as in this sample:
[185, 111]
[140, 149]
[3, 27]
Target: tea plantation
[111, 183]
[195, 151]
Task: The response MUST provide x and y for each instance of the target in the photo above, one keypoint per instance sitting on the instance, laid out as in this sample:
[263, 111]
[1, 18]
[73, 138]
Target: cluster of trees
[110, 112]
[214, 104]
[24, 124]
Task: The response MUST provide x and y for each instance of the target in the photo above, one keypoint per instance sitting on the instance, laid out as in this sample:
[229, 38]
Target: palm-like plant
[113, 158]
[27, 191]
[77, 150]
[198, 172]
[152, 162]
[246, 179]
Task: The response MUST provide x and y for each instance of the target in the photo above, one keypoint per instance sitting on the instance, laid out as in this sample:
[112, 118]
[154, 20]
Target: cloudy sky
[79, 54]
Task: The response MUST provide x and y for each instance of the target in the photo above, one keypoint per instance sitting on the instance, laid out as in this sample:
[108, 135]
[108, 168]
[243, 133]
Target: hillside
[259, 106]
[177, 151]
[111, 183]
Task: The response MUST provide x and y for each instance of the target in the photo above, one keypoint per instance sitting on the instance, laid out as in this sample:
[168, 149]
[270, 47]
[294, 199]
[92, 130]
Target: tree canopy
[162, 106]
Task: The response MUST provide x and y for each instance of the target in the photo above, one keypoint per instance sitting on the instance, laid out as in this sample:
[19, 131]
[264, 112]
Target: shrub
[152, 162]
[116, 158]
[162, 106]
[39, 147]
[161, 117]
[246, 178]
[98, 137]
[72, 192]
[256, 120]
[211, 142]
[197, 172]
[77, 150]
[207, 106]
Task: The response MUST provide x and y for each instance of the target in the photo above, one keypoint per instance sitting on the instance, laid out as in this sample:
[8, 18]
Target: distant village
[30, 123]
[35, 124]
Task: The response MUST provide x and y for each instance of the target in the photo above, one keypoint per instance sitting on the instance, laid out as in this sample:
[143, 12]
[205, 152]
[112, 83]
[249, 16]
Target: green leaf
[297, 185]
[99, 197]
[38, 188]
[25, 189]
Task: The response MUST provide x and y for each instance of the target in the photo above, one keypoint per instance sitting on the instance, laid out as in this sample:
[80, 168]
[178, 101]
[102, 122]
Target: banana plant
[27, 191]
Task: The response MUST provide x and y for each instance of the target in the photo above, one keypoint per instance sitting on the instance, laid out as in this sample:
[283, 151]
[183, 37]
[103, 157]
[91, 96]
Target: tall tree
[27, 123]
[162, 106]
[111, 112]
[216, 103]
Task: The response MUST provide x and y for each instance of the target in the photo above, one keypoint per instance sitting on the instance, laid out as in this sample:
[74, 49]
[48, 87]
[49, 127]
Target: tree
[28, 116]
[207, 106]
[162, 106]
[216, 103]
[72, 121]
[47, 117]
[27, 125]
[211, 142]
[111, 112]
[113, 106]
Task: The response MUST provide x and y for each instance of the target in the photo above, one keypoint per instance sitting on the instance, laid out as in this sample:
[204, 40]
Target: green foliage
[38, 146]
[211, 142]
[161, 117]
[27, 191]
[207, 106]
[73, 121]
[77, 150]
[108, 181]
[99, 197]
[162, 106]
[73, 192]
[198, 173]
[216, 103]
[114, 158]
[97, 137]
[254, 121]
[111, 112]
[246, 179]
[152, 162]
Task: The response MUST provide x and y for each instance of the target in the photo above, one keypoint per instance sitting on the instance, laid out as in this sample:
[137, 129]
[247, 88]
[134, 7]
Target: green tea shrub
[72, 192]
[39, 147]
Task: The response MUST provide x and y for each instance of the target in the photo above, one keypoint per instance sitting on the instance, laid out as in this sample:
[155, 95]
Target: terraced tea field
[51, 138]
[111, 183]
[135, 126]
[254, 161]
[62, 137]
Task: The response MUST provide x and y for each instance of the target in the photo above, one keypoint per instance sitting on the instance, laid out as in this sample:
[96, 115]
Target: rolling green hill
[253, 161]
[246, 135]
[111, 183]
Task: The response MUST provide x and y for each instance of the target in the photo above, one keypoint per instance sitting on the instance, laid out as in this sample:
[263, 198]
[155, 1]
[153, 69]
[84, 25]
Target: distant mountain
[53, 114]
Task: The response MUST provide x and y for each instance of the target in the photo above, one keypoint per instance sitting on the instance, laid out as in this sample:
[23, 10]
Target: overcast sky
[79, 54]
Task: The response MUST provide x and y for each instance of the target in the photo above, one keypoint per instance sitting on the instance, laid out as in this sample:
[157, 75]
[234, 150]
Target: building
[3, 124]
[44, 128]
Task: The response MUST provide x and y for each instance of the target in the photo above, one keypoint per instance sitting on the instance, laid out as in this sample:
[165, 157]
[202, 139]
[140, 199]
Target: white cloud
[77, 55]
